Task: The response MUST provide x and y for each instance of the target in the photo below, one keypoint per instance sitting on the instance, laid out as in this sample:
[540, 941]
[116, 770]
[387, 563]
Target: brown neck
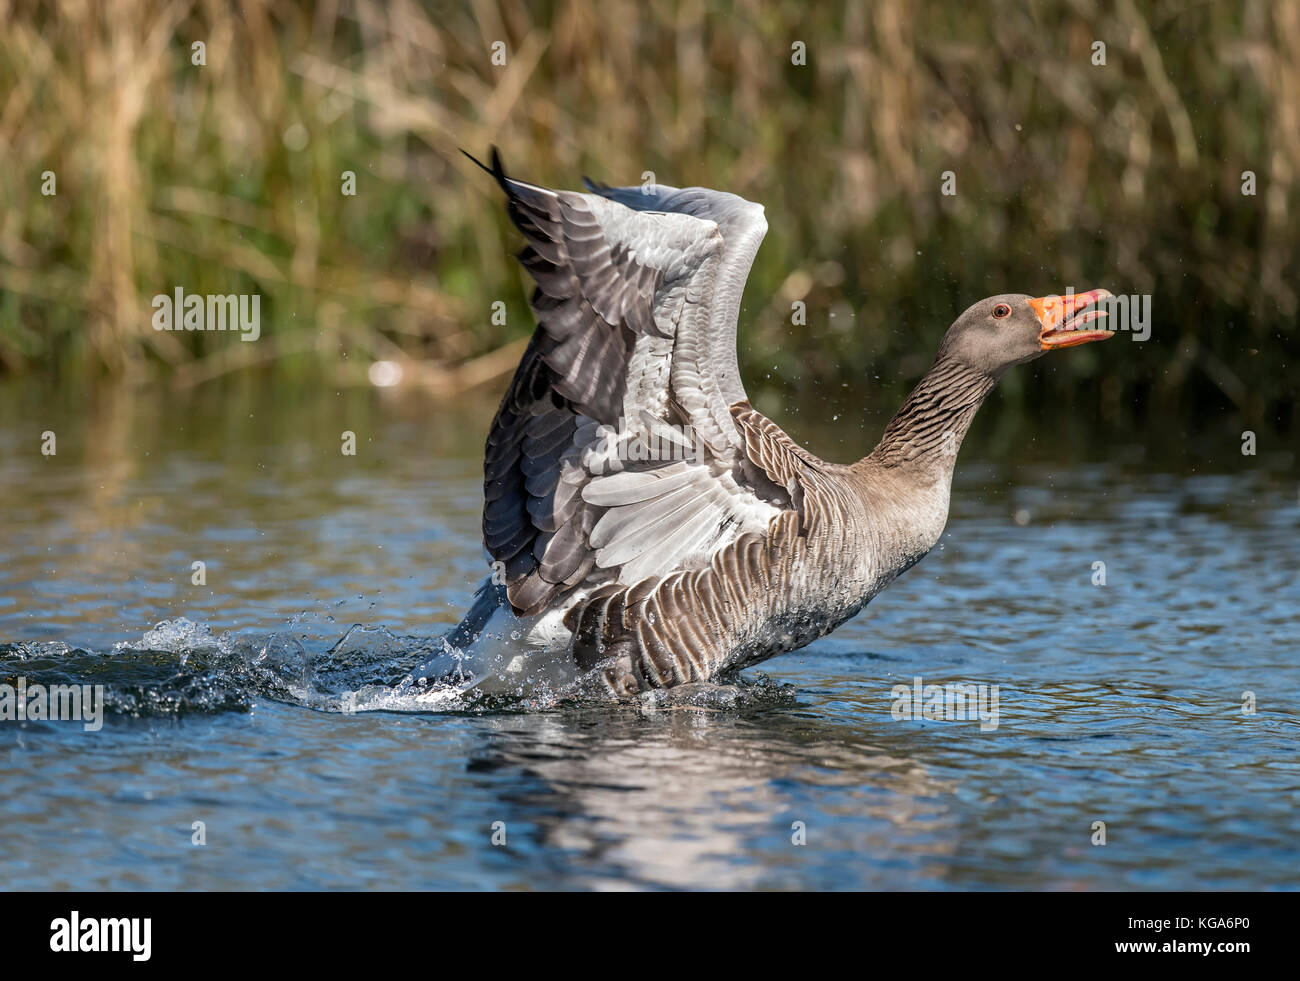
[927, 431]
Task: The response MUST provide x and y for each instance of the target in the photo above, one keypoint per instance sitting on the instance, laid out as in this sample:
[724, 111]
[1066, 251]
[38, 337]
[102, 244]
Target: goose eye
[1001, 310]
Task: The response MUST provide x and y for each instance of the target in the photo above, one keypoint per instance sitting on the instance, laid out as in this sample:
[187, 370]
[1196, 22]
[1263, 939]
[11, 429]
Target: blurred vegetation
[226, 178]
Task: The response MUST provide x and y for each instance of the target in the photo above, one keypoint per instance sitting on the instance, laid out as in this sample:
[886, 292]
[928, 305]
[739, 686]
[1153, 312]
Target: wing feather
[636, 302]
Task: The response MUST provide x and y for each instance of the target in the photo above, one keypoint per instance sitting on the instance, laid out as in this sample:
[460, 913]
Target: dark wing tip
[477, 162]
[598, 186]
[496, 170]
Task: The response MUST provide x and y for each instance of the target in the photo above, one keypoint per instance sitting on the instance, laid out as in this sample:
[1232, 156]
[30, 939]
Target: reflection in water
[1120, 704]
[680, 799]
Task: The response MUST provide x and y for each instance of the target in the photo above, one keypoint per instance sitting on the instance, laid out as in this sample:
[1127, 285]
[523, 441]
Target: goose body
[647, 527]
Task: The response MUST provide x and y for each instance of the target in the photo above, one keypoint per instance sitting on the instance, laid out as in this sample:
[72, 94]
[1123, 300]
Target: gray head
[1013, 328]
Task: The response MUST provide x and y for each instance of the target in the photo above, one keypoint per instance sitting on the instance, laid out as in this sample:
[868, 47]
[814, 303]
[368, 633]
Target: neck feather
[929, 428]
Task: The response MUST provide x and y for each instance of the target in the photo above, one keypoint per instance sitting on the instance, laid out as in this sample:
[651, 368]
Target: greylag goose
[648, 527]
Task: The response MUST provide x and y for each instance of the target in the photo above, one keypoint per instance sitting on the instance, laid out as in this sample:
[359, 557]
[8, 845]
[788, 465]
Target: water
[1119, 703]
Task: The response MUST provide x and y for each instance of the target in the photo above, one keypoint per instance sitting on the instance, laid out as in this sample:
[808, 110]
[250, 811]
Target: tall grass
[226, 177]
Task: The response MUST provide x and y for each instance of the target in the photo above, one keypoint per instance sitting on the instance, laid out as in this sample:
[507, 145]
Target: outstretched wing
[615, 455]
[742, 227]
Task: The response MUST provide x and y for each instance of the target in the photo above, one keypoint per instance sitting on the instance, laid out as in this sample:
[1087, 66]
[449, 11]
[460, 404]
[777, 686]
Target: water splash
[180, 667]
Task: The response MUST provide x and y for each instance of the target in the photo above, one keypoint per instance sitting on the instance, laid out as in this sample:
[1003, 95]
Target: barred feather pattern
[665, 572]
[934, 418]
[847, 532]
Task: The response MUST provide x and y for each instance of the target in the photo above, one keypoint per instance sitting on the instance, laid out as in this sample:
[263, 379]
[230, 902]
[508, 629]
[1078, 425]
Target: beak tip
[1062, 320]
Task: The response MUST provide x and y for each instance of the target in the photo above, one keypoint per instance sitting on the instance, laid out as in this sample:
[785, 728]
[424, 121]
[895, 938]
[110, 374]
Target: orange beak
[1061, 318]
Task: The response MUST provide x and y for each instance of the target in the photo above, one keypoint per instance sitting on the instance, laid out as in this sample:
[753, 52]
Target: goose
[646, 526]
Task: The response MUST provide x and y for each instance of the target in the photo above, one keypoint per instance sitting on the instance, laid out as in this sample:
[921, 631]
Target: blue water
[1119, 703]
